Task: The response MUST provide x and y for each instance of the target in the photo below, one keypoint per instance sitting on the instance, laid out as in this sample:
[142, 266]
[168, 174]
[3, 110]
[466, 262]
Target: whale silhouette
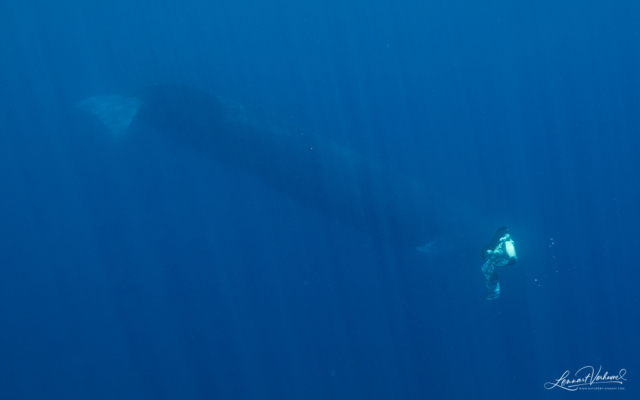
[307, 167]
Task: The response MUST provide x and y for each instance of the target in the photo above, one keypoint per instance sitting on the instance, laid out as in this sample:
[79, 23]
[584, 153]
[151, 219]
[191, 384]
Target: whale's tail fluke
[115, 112]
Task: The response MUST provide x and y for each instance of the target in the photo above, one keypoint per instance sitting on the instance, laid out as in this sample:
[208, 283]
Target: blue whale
[307, 167]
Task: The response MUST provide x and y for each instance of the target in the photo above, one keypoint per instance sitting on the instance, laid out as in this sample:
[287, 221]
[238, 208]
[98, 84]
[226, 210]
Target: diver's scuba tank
[510, 250]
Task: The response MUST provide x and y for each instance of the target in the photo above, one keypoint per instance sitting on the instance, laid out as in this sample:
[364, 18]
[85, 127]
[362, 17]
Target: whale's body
[307, 167]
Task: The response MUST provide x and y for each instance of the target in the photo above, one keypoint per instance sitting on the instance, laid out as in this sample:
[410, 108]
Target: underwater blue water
[132, 269]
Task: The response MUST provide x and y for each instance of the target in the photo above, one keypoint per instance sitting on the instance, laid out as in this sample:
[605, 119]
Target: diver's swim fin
[491, 277]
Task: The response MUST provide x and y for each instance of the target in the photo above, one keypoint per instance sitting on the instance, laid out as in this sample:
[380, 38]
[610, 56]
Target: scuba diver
[500, 252]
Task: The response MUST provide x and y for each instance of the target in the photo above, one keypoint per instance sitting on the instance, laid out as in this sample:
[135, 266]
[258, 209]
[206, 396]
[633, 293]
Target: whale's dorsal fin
[115, 112]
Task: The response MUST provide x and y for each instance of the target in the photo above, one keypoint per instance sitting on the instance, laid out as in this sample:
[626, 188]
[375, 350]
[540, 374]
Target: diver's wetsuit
[500, 252]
